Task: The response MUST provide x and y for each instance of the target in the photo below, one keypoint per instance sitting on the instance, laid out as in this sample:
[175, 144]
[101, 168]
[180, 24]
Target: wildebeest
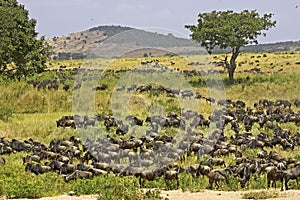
[275, 175]
[122, 129]
[37, 168]
[215, 176]
[171, 175]
[66, 87]
[133, 120]
[150, 175]
[243, 173]
[66, 121]
[19, 145]
[30, 158]
[2, 160]
[67, 169]
[78, 174]
[203, 170]
[55, 165]
[216, 162]
[291, 174]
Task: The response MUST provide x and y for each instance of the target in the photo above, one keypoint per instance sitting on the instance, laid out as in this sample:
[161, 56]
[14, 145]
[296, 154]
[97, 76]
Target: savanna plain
[260, 128]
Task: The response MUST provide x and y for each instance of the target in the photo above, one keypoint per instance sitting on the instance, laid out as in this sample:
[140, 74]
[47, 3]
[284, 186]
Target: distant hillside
[278, 46]
[111, 41]
[77, 45]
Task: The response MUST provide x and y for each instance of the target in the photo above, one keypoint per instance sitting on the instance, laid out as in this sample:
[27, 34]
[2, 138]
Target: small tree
[229, 29]
[21, 53]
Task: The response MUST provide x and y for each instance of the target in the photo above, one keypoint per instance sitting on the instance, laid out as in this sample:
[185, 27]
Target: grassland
[26, 112]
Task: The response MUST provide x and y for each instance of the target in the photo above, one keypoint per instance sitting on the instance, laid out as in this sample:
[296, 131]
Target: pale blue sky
[58, 17]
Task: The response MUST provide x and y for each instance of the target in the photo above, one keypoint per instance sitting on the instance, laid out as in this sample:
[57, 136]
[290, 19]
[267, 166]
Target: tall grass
[113, 188]
[16, 183]
[21, 97]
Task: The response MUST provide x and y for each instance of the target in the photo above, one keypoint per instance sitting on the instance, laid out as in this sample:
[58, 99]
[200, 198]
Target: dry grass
[41, 127]
[264, 194]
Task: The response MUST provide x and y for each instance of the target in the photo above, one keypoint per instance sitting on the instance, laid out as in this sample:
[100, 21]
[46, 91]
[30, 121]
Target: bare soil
[179, 195]
[222, 195]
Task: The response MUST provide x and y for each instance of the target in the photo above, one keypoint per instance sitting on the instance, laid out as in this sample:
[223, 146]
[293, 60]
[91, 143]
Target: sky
[59, 17]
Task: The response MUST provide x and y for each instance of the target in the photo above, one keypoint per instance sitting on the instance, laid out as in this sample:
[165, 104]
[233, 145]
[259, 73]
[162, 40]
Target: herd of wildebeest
[153, 154]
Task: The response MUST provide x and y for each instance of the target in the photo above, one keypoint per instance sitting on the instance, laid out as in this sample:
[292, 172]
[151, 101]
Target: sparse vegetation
[261, 195]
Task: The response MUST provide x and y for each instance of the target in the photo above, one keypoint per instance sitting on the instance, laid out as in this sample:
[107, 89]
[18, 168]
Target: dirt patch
[222, 195]
[68, 197]
[179, 195]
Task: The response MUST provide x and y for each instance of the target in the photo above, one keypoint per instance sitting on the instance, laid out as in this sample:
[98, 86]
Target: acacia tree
[21, 53]
[228, 29]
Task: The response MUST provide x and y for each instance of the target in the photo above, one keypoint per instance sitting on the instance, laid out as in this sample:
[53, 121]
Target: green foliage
[233, 184]
[261, 195]
[188, 183]
[113, 188]
[5, 113]
[153, 194]
[229, 29]
[158, 183]
[16, 183]
[21, 53]
[257, 182]
[21, 187]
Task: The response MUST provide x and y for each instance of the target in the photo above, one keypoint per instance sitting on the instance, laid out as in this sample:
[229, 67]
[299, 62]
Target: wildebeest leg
[140, 182]
[269, 183]
[226, 179]
[217, 184]
[167, 184]
[286, 184]
[211, 184]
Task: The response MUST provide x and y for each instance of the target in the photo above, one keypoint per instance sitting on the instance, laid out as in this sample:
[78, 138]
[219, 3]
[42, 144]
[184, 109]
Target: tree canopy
[228, 29]
[21, 53]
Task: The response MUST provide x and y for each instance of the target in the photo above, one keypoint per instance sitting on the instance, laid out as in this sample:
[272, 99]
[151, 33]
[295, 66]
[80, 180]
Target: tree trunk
[230, 75]
[232, 65]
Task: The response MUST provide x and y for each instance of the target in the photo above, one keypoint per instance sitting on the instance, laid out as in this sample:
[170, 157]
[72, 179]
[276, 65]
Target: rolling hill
[117, 41]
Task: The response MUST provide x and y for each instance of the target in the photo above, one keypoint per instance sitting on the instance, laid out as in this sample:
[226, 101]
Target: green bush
[112, 188]
[188, 183]
[261, 195]
[260, 182]
[152, 194]
[22, 188]
[5, 114]
[233, 185]
[16, 183]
